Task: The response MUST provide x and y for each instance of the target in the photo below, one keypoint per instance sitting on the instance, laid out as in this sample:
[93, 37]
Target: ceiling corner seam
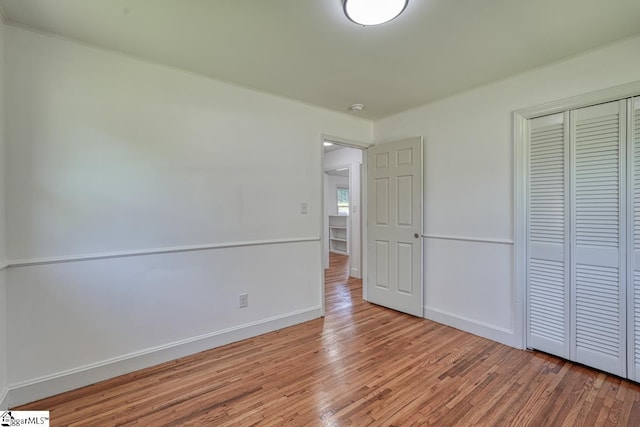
[3, 16]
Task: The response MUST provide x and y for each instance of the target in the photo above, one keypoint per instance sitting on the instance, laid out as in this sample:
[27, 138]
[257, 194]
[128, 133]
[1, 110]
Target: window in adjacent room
[343, 201]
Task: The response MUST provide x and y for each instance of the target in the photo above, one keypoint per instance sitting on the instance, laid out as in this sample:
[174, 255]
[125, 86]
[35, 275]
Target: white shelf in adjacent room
[339, 234]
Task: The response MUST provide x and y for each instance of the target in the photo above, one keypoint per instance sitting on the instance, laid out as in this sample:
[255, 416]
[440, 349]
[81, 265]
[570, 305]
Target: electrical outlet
[244, 300]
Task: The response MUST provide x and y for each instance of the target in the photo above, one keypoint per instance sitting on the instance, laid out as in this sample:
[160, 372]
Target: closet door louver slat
[548, 326]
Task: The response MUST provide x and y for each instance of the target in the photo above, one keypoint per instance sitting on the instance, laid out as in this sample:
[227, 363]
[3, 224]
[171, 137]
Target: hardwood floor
[361, 365]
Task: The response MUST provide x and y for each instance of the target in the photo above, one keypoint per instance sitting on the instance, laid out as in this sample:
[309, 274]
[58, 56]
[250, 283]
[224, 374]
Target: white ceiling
[307, 49]
[330, 148]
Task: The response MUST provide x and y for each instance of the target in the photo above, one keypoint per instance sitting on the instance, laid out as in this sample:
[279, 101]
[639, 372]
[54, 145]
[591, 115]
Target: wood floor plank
[362, 365]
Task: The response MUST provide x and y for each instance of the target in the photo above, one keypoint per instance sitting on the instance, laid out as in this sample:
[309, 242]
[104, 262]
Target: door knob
[416, 235]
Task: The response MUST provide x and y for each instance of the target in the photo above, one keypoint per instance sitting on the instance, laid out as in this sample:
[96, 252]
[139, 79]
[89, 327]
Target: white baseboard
[4, 399]
[50, 385]
[355, 273]
[485, 330]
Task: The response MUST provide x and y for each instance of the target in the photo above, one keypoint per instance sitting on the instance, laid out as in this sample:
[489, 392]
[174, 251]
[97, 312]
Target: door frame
[520, 120]
[363, 210]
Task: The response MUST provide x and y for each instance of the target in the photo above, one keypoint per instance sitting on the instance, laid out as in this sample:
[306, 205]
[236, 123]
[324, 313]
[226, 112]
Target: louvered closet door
[547, 273]
[634, 242]
[598, 263]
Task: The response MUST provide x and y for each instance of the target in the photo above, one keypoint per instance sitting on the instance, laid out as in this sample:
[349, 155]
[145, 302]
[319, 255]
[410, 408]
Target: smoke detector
[357, 107]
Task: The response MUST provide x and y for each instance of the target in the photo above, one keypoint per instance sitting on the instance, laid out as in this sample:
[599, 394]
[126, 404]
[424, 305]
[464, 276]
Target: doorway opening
[390, 187]
[342, 213]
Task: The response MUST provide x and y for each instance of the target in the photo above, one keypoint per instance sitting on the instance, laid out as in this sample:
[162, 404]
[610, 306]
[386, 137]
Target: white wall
[3, 254]
[469, 175]
[108, 154]
[351, 158]
[4, 383]
[342, 157]
[333, 182]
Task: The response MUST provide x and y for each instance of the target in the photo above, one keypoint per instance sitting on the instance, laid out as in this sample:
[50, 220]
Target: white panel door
[633, 257]
[394, 225]
[548, 301]
[598, 272]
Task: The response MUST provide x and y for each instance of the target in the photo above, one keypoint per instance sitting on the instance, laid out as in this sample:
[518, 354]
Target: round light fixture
[373, 12]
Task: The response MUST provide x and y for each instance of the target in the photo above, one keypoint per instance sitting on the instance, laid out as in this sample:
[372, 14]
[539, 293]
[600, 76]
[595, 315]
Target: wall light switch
[244, 300]
[303, 208]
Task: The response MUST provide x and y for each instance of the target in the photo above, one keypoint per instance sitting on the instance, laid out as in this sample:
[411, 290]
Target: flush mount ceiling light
[373, 12]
